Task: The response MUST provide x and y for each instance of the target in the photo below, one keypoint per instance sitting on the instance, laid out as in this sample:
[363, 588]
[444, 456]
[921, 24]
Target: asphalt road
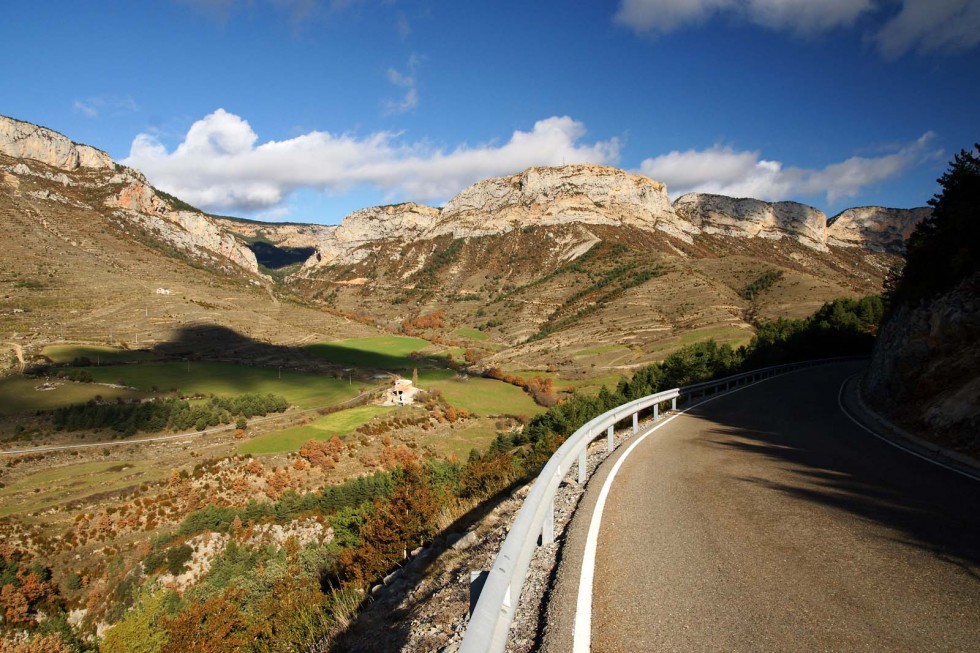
[765, 520]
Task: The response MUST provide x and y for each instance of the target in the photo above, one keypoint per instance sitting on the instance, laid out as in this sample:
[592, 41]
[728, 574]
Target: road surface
[765, 520]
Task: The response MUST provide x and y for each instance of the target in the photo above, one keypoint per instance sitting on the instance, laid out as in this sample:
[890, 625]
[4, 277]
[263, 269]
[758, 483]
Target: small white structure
[164, 291]
[401, 393]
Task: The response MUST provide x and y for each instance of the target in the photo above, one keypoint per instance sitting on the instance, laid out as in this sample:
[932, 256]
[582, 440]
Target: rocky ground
[425, 606]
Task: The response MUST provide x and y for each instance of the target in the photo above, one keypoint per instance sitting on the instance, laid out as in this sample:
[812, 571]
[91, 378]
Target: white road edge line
[582, 633]
[840, 404]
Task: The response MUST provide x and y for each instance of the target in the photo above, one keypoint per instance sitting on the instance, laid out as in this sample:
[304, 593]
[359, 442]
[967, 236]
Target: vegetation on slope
[945, 248]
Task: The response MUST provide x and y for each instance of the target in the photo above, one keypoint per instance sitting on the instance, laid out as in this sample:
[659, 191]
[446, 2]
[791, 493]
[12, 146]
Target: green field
[729, 335]
[72, 482]
[473, 434]
[19, 394]
[95, 353]
[480, 396]
[588, 385]
[605, 349]
[324, 428]
[382, 352]
[471, 333]
[299, 388]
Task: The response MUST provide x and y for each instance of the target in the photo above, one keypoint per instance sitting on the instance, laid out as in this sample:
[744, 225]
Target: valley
[175, 380]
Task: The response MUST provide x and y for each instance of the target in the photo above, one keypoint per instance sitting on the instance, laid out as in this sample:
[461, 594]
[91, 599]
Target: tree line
[169, 413]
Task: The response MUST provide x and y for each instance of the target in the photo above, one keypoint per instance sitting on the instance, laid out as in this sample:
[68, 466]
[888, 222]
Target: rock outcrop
[129, 193]
[874, 227]
[23, 140]
[750, 218]
[925, 362]
[585, 194]
[188, 231]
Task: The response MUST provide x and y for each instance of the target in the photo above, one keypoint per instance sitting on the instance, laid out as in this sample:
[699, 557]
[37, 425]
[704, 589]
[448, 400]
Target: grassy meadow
[324, 428]
[95, 353]
[480, 396]
[58, 485]
[381, 352]
[227, 379]
[21, 395]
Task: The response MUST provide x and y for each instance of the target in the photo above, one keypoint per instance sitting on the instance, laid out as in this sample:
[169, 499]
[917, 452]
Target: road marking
[840, 404]
[582, 632]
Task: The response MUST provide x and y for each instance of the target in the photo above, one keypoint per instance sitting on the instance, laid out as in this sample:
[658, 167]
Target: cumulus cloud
[725, 171]
[666, 15]
[920, 25]
[803, 16]
[220, 164]
[931, 26]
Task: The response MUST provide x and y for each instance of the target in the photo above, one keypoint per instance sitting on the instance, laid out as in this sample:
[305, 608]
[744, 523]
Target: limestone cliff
[188, 231]
[38, 150]
[750, 218]
[23, 140]
[876, 228]
[586, 194]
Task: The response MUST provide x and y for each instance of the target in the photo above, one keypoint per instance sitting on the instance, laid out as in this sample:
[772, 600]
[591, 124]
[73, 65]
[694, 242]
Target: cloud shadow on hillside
[216, 342]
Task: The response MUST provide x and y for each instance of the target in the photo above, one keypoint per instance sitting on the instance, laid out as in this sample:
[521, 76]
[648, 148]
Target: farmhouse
[401, 393]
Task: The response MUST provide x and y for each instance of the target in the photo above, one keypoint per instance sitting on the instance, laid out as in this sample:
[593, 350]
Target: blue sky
[306, 110]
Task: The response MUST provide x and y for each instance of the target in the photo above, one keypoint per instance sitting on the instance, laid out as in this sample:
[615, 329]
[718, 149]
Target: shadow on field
[215, 342]
[829, 461]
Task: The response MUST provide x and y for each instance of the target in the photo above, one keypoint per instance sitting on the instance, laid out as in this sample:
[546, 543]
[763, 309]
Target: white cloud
[92, 107]
[921, 25]
[86, 108]
[804, 16]
[725, 171]
[220, 165]
[931, 26]
[666, 15]
[407, 81]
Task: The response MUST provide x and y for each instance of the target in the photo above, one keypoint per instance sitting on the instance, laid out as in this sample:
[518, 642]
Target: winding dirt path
[19, 352]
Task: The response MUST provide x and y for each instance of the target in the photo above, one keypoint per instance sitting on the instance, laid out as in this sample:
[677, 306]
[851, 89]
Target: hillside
[93, 253]
[586, 268]
[582, 268]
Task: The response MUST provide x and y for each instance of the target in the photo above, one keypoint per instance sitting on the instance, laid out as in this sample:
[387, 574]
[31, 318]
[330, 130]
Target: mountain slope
[93, 253]
[584, 267]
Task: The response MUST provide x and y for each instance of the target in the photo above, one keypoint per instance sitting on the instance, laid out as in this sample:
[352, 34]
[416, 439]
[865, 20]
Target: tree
[140, 630]
[215, 626]
[945, 248]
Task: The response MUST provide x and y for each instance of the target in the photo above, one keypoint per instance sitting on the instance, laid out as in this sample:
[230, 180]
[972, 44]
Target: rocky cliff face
[749, 218]
[129, 193]
[188, 231]
[585, 194]
[23, 140]
[876, 228]
[600, 195]
[925, 362]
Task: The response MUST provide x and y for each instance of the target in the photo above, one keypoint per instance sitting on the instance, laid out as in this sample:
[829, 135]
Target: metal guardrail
[489, 625]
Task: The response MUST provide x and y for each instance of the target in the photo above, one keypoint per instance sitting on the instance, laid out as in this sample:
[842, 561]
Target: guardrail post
[611, 439]
[548, 527]
[636, 423]
[673, 403]
[581, 464]
[477, 580]
[656, 412]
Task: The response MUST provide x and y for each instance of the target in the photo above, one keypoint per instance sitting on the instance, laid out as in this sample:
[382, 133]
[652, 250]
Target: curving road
[765, 520]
